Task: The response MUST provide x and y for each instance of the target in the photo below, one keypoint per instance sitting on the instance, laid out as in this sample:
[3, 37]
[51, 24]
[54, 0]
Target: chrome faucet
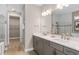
[68, 36]
[63, 36]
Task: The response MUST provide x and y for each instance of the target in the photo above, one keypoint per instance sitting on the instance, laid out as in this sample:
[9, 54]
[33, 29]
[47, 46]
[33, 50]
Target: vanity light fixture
[44, 14]
[47, 12]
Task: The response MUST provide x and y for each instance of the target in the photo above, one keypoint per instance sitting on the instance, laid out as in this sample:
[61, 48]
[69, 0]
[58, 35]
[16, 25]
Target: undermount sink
[53, 36]
[58, 37]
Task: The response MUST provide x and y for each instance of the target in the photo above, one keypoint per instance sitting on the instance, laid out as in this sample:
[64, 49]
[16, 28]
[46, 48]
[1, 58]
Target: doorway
[14, 34]
[14, 28]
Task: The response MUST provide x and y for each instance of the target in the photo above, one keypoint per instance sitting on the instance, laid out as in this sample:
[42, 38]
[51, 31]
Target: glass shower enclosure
[2, 28]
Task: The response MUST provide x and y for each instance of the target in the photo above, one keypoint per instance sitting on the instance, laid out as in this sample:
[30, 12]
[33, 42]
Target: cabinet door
[34, 43]
[40, 45]
[47, 49]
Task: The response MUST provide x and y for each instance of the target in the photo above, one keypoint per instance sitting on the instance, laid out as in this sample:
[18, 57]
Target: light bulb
[49, 11]
[12, 9]
[44, 14]
[59, 6]
[66, 5]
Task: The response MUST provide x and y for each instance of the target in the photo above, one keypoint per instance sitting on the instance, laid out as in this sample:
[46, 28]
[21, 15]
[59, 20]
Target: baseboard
[27, 50]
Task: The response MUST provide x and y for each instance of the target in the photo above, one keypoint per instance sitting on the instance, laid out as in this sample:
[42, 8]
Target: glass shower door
[2, 28]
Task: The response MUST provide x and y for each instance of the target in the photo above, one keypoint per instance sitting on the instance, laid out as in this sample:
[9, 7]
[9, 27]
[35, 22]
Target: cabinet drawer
[59, 53]
[69, 51]
[56, 46]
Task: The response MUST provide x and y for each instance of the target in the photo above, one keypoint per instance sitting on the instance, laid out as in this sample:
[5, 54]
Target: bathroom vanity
[55, 45]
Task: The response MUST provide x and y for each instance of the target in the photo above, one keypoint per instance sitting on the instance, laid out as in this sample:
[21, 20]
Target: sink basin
[53, 36]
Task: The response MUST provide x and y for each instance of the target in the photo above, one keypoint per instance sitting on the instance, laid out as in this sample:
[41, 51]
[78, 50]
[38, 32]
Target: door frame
[21, 24]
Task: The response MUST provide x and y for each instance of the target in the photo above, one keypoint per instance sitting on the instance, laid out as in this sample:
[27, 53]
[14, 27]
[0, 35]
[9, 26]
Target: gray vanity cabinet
[45, 47]
[41, 46]
[38, 44]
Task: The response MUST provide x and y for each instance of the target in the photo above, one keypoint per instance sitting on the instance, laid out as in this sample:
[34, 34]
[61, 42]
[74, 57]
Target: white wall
[17, 7]
[45, 24]
[46, 20]
[32, 24]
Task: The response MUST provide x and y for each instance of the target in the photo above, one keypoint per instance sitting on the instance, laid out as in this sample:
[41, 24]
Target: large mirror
[62, 20]
[67, 20]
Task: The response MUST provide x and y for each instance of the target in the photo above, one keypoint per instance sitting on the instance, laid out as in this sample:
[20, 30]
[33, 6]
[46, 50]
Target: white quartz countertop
[73, 43]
